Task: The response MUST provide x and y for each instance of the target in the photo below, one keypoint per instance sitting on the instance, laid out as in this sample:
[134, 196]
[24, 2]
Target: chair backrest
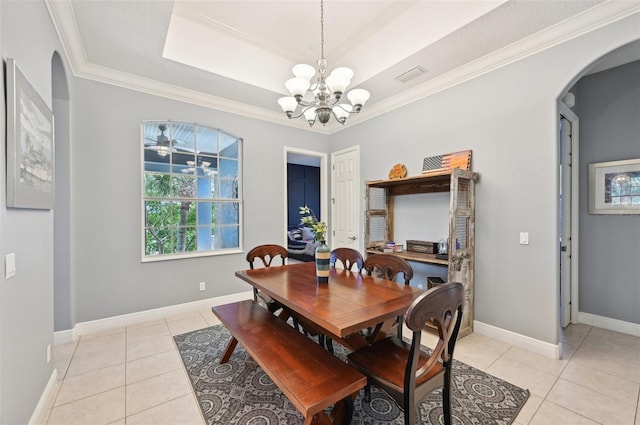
[267, 253]
[389, 265]
[441, 306]
[348, 256]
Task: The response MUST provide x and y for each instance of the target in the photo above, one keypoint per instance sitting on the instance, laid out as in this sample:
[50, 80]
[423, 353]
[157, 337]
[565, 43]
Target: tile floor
[134, 375]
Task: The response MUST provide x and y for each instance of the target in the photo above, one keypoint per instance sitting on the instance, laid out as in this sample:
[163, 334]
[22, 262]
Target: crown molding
[608, 12]
[590, 20]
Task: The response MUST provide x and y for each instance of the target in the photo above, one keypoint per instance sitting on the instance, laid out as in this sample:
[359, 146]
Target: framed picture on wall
[614, 187]
[30, 151]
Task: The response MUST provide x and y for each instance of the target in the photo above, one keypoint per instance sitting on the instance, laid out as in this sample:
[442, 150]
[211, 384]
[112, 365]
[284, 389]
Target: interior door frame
[566, 112]
[323, 186]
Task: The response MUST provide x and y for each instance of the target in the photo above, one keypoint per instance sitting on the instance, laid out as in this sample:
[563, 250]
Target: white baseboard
[609, 324]
[41, 412]
[522, 341]
[100, 325]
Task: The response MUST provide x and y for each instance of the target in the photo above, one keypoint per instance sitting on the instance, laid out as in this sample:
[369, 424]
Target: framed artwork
[29, 144]
[614, 187]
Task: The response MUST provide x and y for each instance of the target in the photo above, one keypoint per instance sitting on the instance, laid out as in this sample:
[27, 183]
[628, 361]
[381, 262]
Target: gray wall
[110, 278]
[26, 300]
[509, 118]
[608, 105]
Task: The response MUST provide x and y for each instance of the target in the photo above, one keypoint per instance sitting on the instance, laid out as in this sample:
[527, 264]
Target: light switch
[524, 238]
[9, 265]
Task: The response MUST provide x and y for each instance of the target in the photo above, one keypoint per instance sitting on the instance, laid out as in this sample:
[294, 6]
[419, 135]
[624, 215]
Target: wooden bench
[311, 377]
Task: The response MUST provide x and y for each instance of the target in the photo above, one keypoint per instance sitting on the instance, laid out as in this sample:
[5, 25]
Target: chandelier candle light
[326, 92]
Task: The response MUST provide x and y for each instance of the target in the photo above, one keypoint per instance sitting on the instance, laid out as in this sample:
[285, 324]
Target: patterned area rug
[239, 392]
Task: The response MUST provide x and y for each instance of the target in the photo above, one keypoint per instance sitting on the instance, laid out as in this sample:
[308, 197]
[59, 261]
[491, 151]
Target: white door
[345, 200]
[565, 222]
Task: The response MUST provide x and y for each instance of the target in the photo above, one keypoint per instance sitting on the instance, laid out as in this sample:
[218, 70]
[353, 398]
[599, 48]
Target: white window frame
[197, 253]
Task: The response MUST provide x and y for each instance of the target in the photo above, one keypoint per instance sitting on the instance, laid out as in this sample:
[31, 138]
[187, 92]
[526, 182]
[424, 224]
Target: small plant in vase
[319, 231]
[318, 228]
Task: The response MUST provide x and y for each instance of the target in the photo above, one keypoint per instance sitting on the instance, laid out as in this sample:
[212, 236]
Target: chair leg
[400, 328]
[329, 343]
[367, 393]
[446, 396]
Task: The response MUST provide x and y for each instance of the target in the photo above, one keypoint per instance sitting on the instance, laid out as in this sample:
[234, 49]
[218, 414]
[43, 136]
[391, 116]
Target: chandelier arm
[341, 121]
[302, 111]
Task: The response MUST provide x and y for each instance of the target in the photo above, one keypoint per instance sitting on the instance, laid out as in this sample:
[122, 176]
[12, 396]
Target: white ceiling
[236, 55]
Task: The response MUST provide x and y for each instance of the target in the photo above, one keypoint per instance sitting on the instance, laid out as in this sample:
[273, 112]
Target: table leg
[229, 350]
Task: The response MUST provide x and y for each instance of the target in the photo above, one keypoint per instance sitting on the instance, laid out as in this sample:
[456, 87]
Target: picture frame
[614, 187]
[30, 144]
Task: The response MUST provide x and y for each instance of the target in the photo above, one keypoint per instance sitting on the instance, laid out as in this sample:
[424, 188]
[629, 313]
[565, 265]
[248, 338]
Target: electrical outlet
[203, 286]
[48, 353]
[9, 265]
[420, 286]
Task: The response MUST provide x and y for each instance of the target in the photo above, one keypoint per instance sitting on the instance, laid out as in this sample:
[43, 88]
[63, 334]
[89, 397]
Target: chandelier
[324, 94]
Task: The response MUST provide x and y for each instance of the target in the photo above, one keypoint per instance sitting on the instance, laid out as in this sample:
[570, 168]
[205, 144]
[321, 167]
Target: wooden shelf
[418, 257]
[460, 184]
[439, 181]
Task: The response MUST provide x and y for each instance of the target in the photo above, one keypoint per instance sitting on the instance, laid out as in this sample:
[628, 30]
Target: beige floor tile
[64, 351]
[187, 324]
[627, 353]
[97, 353]
[145, 332]
[148, 347]
[62, 366]
[159, 389]
[100, 409]
[529, 409]
[522, 375]
[567, 350]
[595, 406]
[96, 345]
[604, 383]
[157, 364]
[638, 415]
[552, 414]
[537, 361]
[180, 411]
[607, 359]
[209, 317]
[604, 336]
[471, 355]
[574, 333]
[483, 342]
[106, 332]
[145, 324]
[90, 383]
[119, 422]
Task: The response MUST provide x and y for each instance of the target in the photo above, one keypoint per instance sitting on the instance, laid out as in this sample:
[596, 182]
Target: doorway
[305, 175]
[568, 215]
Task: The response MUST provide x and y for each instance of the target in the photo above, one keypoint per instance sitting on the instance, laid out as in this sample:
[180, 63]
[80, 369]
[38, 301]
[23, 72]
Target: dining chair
[266, 253]
[389, 266]
[348, 257]
[402, 369]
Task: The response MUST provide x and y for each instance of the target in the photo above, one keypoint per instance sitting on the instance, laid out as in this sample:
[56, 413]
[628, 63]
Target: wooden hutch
[460, 184]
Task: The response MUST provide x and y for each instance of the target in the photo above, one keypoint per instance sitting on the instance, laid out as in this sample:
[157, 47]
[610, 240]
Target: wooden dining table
[348, 303]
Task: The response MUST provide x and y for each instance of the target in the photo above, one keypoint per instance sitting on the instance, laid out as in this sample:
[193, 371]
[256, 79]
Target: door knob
[353, 238]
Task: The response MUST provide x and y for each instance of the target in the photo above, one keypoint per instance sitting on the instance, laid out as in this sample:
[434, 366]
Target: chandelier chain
[322, 29]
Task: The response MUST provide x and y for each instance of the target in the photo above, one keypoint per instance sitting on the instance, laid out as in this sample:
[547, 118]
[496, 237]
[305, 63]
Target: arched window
[191, 180]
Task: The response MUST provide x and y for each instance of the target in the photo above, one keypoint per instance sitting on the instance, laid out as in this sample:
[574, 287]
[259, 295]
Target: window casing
[191, 191]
